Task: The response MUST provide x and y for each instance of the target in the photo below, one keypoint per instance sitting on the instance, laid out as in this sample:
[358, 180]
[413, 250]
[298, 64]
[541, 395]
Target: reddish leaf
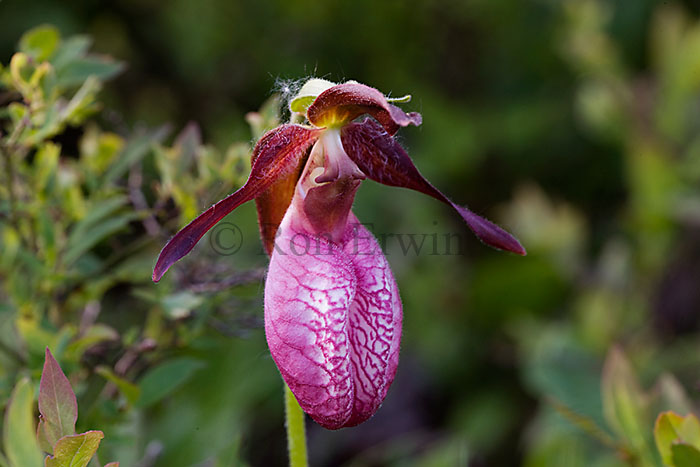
[57, 404]
[383, 160]
[354, 99]
[276, 155]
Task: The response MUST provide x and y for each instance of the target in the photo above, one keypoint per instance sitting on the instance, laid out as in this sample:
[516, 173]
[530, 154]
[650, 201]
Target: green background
[573, 123]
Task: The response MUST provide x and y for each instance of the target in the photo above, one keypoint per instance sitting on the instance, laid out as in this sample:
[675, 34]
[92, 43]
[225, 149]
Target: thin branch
[247, 277]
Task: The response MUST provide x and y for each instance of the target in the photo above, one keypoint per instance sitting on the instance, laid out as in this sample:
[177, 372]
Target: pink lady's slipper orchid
[332, 308]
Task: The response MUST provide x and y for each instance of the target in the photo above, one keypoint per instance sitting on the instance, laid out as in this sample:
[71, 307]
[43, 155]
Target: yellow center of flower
[335, 117]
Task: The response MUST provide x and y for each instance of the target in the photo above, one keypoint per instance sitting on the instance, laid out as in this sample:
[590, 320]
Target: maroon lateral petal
[383, 160]
[355, 99]
[276, 154]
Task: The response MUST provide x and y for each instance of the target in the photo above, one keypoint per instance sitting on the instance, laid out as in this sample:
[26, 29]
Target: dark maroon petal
[274, 201]
[276, 155]
[354, 99]
[382, 159]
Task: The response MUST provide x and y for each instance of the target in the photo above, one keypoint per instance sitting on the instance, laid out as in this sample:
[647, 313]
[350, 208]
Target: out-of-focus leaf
[672, 394]
[672, 430]
[20, 444]
[20, 72]
[75, 450]
[181, 304]
[166, 378]
[93, 335]
[40, 42]
[665, 433]
[624, 403]
[60, 114]
[57, 403]
[100, 223]
[186, 145]
[46, 163]
[10, 245]
[100, 210]
[135, 150]
[77, 71]
[17, 112]
[98, 150]
[685, 455]
[43, 438]
[129, 389]
[35, 337]
[70, 49]
[112, 464]
[266, 118]
[548, 371]
[186, 203]
[99, 233]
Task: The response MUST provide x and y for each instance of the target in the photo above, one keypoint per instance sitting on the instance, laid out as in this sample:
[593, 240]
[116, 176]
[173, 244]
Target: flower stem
[296, 432]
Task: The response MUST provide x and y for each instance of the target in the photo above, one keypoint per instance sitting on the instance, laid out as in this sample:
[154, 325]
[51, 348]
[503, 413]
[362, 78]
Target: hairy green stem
[296, 432]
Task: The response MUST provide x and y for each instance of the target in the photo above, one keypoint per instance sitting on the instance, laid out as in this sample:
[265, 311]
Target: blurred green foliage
[573, 122]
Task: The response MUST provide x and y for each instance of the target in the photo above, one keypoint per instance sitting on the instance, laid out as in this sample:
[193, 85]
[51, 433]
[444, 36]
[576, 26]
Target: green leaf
[43, 438]
[166, 378]
[97, 151]
[75, 450]
[135, 150]
[21, 447]
[690, 430]
[97, 234]
[670, 429]
[624, 403]
[59, 114]
[46, 164]
[665, 433]
[264, 119]
[100, 210]
[179, 305]
[186, 146]
[40, 42]
[673, 396]
[100, 222]
[17, 112]
[685, 455]
[129, 389]
[34, 336]
[57, 403]
[70, 50]
[92, 336]
[75, 72]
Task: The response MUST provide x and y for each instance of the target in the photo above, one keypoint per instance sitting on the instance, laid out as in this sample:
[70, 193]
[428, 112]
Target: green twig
[296, 432]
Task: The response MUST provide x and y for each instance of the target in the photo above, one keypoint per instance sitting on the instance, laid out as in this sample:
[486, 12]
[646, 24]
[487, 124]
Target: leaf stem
[296, 431]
